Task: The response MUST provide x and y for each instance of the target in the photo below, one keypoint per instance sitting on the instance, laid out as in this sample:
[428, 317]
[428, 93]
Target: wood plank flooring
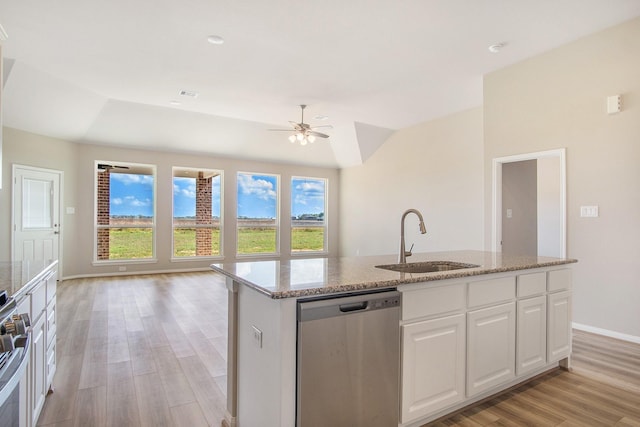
[603, 389]
[140, 351]
[150, 351]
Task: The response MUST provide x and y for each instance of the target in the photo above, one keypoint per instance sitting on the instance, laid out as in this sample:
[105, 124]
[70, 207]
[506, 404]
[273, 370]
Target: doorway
[540, 225]
[36, 213]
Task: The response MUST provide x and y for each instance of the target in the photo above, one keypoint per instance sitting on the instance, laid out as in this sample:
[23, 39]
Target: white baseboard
[133, 273]
[606, 333]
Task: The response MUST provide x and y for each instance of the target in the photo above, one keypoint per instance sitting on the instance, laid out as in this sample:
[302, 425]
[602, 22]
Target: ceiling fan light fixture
[303, 132]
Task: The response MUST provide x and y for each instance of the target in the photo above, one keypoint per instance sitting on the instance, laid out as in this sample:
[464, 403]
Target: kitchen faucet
[404, 253]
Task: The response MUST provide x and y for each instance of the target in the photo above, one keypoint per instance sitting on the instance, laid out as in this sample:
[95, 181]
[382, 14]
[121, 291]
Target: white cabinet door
[531, 336]
[432, 365]
[38, 360]
[25, 383]
[559, 326]
[491, 347]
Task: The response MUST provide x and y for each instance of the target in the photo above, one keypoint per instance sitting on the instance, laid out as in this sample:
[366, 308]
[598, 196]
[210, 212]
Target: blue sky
[184, 197]
[132, 194]
[307, 196]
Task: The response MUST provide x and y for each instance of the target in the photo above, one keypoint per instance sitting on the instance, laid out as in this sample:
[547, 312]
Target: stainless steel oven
[14, 358]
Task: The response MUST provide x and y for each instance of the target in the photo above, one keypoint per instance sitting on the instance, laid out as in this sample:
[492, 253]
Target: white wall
[35, 150]
[558, 99]
[435, 167]
[77, 161]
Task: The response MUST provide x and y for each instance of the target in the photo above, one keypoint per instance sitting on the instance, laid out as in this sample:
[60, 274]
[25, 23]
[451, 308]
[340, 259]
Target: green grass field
[137, 243]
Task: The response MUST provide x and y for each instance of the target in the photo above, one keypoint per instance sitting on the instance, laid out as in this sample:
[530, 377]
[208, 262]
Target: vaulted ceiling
[111, 72]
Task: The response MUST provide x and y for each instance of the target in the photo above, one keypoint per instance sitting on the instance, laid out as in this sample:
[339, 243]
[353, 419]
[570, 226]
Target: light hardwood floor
[150, 351]
[140, 351]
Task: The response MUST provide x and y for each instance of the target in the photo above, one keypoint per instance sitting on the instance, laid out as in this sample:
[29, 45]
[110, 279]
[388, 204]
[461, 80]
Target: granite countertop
[316, 276]
[14, 276]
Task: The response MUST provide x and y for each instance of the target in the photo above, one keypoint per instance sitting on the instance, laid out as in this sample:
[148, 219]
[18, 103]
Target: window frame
[277, 225]
[153, 225]
[325, 222]
[220, 255]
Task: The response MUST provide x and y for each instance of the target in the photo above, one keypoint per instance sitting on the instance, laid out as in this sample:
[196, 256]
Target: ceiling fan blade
[281, 130]
[104, 166]
[318, 134]
[322, 126]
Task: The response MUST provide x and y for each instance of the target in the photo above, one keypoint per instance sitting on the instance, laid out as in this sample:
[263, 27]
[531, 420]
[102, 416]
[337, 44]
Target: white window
[197, 207]
[125, 211]
[308, 220]
[257, 214]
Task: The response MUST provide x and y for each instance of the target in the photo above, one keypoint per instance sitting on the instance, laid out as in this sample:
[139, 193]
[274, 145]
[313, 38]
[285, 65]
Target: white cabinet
[491, 334]
[24, 306]
[531, 336]
[51, 329]
[37, 368]
[463, 341]
[559, 326]
[433, 365]
[40, 303]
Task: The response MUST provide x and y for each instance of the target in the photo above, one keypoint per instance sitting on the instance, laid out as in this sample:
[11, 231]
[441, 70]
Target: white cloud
[131, 178]
[261, 188]
[185, 187]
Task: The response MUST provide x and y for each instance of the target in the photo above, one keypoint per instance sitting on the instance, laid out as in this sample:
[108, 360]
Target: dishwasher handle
[317, 309]
[356, 306]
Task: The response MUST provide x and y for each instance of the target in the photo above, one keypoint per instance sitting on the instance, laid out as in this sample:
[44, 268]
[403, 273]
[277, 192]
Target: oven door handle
[16, 366]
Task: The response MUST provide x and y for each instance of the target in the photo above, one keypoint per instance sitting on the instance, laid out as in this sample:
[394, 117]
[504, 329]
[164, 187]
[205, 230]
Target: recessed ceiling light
[495, 48]
[321, 117]
[215, 39]
[174, 102]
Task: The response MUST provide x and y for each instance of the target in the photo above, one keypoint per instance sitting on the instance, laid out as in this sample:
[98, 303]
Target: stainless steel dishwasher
[348, 361]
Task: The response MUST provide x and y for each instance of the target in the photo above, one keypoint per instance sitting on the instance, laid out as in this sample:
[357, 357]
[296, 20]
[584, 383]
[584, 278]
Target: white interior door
[36, 213]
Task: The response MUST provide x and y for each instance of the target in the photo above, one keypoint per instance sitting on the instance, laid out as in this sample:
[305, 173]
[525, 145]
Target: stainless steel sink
[426, 266]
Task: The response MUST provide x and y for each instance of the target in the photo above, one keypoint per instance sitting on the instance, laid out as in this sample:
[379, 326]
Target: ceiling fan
[105, 167]
[303, 132]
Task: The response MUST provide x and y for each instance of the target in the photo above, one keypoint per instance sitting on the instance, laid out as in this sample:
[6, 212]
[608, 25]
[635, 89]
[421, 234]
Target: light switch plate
[589, 211]
[257, 336]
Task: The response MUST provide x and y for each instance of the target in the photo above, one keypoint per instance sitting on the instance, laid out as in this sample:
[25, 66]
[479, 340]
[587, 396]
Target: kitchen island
[499, 323]
[31, 285]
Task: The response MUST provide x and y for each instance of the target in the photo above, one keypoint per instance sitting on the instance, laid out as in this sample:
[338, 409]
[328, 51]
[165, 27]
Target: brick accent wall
[104, 191]
[203, 214]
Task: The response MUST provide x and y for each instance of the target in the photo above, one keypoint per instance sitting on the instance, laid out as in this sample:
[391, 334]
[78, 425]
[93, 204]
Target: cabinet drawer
[558, 280]
[51, 322]
[38, 301]
[492, 291]
[51, 364]
[51, 288]
[531, 284]
[432, 301]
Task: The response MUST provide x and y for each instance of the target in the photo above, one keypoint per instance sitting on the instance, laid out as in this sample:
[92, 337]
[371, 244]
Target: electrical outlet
[589, 211]
[257, 336]
[122, 268]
